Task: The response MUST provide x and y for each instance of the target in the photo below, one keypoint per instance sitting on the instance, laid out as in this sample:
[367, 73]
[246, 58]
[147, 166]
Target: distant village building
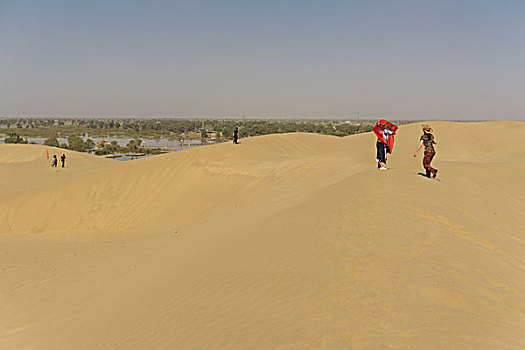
[193, 135]
[213, 135]
[100, 145]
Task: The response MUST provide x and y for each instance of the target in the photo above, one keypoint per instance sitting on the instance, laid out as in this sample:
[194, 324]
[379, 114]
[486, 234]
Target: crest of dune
[291, 241]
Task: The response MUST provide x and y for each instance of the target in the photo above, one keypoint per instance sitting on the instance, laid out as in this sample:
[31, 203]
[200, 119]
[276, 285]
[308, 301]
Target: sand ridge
[289, 241]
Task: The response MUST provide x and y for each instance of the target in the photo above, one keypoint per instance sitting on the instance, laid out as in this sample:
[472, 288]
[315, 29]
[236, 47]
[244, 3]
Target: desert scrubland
[291, 241]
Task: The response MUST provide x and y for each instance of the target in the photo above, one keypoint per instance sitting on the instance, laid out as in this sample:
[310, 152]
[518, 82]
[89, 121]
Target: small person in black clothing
[63, 159]
[54, 162]
[235, 135]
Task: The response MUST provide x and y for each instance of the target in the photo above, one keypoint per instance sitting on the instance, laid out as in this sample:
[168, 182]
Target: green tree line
[175, 128]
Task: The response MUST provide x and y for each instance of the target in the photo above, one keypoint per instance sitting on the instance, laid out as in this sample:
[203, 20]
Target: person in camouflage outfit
[427, 140]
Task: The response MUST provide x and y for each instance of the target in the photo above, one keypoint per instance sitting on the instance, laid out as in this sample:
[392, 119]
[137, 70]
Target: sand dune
[289, 241]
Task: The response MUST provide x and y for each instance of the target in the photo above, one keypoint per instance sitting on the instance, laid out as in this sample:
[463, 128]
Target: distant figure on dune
[235, 135]
[427, 140]
[54, 162]
[63, 159]
[385, 132]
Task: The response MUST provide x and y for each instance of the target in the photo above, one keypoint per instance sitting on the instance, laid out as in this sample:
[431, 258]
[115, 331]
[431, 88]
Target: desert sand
[290, 241]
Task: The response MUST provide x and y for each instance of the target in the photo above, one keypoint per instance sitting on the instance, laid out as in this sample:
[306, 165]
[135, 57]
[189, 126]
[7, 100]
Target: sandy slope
[282, 242]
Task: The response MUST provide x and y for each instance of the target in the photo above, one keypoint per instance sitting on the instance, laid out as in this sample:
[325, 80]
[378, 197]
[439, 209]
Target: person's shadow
[425, 175]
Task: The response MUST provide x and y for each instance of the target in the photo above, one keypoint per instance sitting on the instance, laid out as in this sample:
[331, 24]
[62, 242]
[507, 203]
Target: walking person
[54, 162]
[235, 135]
[427, 140]
[385, 132]
[63, 159]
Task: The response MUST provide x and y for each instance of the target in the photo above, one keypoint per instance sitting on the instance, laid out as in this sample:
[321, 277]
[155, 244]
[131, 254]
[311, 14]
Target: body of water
[125, 157]
[165, 144]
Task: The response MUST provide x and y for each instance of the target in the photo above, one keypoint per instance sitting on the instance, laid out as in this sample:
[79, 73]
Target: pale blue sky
[296, 59]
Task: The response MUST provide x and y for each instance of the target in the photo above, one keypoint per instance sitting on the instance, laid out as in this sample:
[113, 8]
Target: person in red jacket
[385, 132]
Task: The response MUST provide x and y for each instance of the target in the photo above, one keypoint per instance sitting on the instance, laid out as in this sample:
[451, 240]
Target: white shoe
[383, 168]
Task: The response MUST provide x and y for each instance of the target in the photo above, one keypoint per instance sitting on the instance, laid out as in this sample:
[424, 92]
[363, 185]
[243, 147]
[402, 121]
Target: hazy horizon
[420, 60]
[283, 118]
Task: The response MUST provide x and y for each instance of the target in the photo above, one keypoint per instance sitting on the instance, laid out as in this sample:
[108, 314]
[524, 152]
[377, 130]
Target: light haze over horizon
[265, 59]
